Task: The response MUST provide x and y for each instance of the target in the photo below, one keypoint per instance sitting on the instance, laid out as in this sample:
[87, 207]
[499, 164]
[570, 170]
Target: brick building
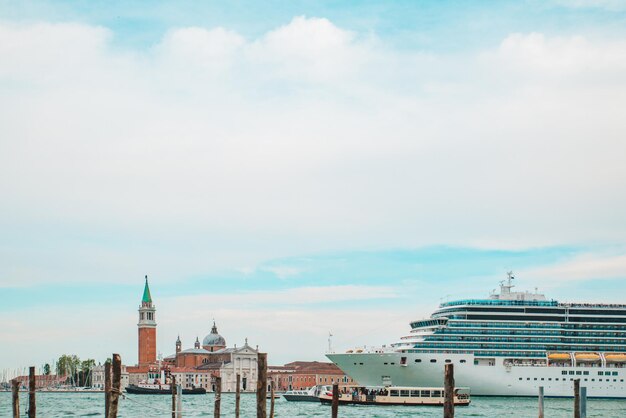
[197, 366]
[304, 374]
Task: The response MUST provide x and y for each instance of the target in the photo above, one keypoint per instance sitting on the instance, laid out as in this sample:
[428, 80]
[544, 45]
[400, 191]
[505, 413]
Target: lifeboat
[559, 356]
[615, 358]
[349, 351]
[359, 351]
[587, 357]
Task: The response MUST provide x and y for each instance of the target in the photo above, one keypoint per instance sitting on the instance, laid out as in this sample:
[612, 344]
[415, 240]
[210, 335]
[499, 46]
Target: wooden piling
[583, 402]
[335, 405]
[577, 398]
[237, 395]
[272, 399]
[541, 402]
[173, 387]
[218, 397]
[115, 386]
[261, 386]
[448, 387]
[32, 385]
[179, 401]
[107, 388]
[15, 389]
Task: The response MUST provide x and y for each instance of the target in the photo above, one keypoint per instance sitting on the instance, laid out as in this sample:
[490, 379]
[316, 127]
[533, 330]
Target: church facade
[192, 367]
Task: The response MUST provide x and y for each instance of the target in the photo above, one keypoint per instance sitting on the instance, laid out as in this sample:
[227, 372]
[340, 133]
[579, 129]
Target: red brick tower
[147, 328]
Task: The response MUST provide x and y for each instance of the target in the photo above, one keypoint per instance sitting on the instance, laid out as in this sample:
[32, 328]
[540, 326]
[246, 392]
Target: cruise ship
[506, 345]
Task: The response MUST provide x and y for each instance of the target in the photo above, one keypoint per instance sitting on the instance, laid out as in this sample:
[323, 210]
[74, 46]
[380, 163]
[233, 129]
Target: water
[56, 405]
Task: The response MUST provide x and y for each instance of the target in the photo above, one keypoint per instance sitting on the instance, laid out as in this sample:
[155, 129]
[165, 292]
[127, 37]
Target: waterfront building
[197, 366]
[97, 376]
[300, 375]
[214, 358]
[147, 353]
[506, 345]
[44, 381]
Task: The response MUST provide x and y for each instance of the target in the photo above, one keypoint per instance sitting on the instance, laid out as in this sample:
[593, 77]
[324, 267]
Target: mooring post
[32, 384]
[179, 401]
[541, 402]
[261, 387]
[15, 389]
[335, 405]
[237, 395]
[115, 385]
[583, 402]
[448, 388]
[107, 388]
[577, 398]
[173, 387]
[272, 398]
[218, 397]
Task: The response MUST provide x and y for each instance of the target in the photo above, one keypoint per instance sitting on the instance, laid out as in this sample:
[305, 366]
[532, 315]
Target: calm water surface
[55, 405]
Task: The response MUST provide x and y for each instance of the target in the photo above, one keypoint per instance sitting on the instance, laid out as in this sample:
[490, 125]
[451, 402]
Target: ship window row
[523, 310]
[597, 312]
[562, 333]
[428, 323]
[520, 324]
[417, 360]
[554, 310]
[600, 373]
[525, 317]
[607, 373]
[518, 346]
[496, 302]
[416, 393]
[521, 317]
[539, 354]
[564, 379]
[563, 340]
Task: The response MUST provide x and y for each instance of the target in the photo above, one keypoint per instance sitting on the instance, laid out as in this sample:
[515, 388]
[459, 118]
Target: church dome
[214, 339]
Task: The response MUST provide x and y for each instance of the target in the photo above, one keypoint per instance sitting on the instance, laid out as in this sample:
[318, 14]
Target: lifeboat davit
[587, 357]
[559, 356]
[615, 358]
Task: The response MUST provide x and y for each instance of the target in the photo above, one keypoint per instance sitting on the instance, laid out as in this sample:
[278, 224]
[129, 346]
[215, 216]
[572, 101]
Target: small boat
[157, 389]
[308, 395]
[615, 358]
[587, 357]
[396, 395]
[559, 356]
[276, 396]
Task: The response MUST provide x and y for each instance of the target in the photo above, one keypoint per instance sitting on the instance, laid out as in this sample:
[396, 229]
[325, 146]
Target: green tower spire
[146, 293]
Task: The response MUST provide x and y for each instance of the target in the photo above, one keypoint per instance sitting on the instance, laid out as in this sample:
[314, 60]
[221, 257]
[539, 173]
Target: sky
[294, 169]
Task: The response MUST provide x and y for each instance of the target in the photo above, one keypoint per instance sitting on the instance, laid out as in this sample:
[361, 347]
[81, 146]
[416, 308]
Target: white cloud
[293, 296]
[211, 151]
[271, 319]
[585, 267]
[283, 272]
[194, 48]
[561, 55]
[311, 49]
[611, 5]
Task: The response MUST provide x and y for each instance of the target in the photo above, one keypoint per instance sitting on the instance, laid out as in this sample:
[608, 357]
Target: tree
[85, 372]
[69, 365]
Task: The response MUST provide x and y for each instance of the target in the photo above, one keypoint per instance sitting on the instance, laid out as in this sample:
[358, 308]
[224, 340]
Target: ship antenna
[509, 279]
[330, 346]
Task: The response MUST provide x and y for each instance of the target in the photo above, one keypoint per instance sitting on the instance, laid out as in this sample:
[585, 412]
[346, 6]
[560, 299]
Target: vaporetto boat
[506, 345]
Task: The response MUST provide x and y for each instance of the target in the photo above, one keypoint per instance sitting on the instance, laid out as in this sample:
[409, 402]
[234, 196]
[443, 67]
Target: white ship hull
[488, 378]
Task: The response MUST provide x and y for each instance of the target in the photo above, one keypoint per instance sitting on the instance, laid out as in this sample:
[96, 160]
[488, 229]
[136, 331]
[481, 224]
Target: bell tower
[147, 328]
